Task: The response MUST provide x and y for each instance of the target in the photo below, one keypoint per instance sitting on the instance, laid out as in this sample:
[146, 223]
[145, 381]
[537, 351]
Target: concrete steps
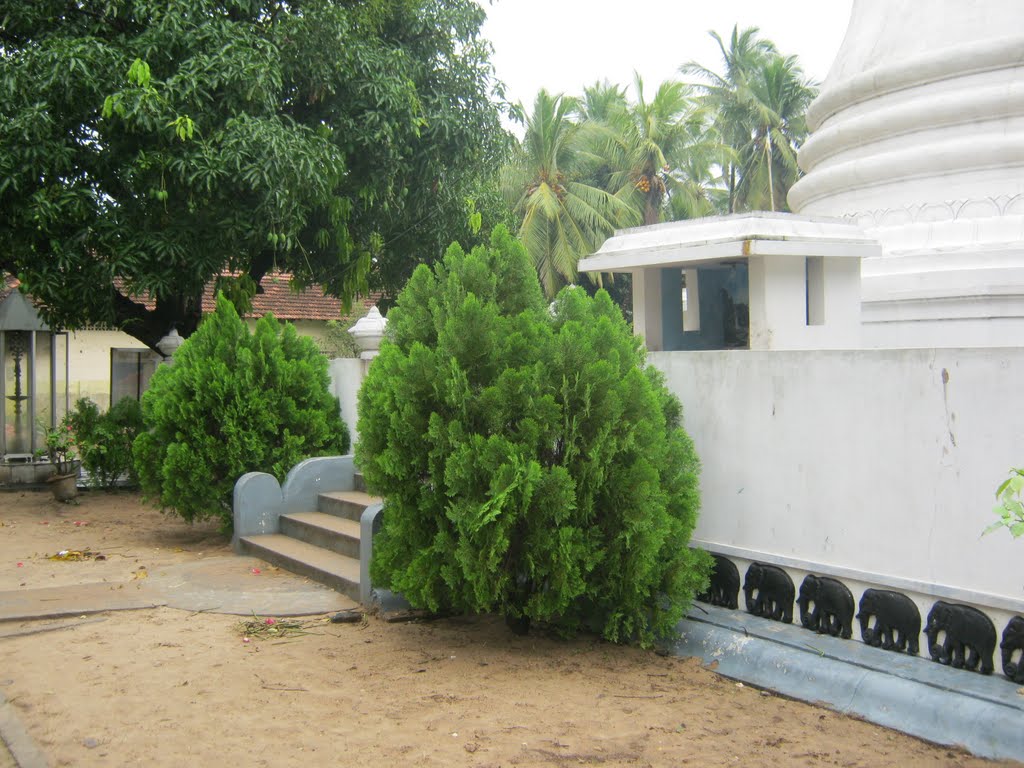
[324, 544]
[338, 534]
[346, 504]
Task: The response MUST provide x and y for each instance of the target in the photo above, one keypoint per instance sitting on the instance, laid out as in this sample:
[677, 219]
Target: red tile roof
[277, 297]
[287, 304]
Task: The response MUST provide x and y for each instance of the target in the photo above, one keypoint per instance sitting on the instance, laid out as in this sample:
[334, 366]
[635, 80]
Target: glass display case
[34, 381]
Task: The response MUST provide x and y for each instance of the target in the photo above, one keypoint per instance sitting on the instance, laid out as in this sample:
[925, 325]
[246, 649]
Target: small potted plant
[60, 449]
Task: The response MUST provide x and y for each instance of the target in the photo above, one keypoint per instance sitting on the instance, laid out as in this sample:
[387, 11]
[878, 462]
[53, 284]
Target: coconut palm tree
[727, 95]
[696, 179]
[563, 218]
[777, 97]
[645, 145]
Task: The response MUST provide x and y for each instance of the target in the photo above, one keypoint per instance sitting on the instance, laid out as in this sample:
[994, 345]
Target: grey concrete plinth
[982, 713]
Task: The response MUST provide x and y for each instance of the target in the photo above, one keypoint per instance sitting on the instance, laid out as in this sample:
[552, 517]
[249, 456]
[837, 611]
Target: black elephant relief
[897, 621]
[724, 589]
[774, 589]
[833, 606]
[1013, 643]
[970, 636]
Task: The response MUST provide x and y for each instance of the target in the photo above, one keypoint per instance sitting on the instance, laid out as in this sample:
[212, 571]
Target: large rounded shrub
[234, 402]
[532, 464]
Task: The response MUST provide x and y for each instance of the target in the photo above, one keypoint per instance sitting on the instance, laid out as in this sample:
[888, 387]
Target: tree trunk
[151, 325]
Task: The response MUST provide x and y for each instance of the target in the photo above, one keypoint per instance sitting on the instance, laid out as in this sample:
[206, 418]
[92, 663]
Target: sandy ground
[162, 687]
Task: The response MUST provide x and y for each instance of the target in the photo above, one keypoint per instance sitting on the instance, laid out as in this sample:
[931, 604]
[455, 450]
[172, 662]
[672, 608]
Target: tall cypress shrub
[531, 463]
[233, 402]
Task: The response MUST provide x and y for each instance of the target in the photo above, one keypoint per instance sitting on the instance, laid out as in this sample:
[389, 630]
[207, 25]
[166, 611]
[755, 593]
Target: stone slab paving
[243, 586]
[15, 743]
[74, 600]
[233, 585]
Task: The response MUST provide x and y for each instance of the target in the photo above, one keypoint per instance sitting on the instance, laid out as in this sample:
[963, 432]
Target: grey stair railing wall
[259, 500]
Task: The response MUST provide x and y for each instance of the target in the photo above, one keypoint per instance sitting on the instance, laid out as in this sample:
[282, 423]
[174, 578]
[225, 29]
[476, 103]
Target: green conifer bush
[531, 463]
[234, 402]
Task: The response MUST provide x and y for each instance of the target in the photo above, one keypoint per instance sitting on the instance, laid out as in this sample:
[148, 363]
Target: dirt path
[162, 687]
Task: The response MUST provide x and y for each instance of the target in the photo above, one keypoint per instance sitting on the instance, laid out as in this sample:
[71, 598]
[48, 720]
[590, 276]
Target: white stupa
[918, 138]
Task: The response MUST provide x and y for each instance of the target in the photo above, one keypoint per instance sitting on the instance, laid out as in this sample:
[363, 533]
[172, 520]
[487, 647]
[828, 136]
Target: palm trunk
[651, 212]
[771, 181]
[732, 188]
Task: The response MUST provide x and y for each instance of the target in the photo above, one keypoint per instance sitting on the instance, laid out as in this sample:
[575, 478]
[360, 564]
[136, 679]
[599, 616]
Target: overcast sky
[564, 45]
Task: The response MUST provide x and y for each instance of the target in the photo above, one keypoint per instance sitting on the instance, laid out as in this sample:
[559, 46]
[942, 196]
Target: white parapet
[874, 466]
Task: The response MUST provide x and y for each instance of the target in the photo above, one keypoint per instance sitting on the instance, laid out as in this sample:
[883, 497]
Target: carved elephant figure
[897, 621]
[833, 606]
[774, 589]
[1013, 640]
[970, 636]
[724, 589]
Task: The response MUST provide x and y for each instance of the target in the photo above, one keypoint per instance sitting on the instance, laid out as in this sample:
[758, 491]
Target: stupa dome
[918, 137]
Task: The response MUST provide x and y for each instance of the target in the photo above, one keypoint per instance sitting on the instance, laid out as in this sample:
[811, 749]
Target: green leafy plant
[531, 463]
[105, 440]
[233, 402]
[60, 445]
[1010, 508]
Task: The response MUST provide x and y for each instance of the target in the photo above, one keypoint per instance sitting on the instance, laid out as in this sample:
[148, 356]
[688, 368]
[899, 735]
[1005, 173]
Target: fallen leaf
[255, 571]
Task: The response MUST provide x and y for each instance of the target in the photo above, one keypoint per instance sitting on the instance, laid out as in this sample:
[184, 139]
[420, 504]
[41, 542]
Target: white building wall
[89, 363]
[878, 466]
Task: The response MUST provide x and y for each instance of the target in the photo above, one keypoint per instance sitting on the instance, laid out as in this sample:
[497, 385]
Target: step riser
[334, 581]
[340, 508]
[359, 482]
[318, 537]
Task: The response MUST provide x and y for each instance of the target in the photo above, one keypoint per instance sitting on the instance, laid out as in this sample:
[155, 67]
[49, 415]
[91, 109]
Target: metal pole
[53, 380]
[32, 392]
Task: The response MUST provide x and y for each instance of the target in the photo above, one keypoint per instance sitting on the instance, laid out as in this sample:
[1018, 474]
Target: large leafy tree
[148, 146]
[562, 216]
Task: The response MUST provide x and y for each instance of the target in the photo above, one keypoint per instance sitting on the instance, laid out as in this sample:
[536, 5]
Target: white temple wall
[347, 374]
[875, 466]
